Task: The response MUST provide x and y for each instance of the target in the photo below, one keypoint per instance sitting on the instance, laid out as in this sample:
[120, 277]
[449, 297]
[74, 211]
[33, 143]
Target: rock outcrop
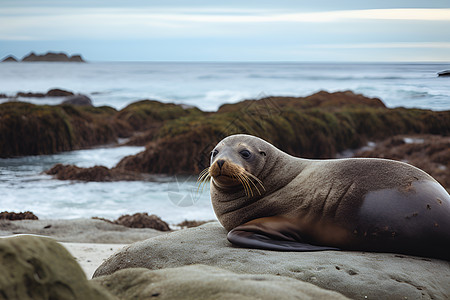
[28, 129]
[50, 93]
[52, 57]
[78, 231]
[357, 275]
[96, 173]
[318, 126]
[9, 58]
[199, 282]
[179, 139]
[40, 268]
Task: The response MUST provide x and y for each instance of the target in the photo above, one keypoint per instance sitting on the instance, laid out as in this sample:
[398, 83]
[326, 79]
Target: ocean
[23, 186]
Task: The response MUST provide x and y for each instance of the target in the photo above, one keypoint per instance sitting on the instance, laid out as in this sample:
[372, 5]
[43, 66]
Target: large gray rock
[78, 231]
[199, 282]
[39, 268]
[78, 99]
[357, 275]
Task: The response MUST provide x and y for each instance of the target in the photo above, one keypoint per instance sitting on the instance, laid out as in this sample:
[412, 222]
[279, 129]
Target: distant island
[48, 57]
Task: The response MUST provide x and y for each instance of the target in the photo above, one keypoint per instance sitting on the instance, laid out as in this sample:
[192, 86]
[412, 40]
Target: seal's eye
[214, 153]
[245, 154]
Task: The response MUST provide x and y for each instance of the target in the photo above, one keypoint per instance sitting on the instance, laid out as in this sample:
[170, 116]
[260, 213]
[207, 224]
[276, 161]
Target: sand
[91, 255]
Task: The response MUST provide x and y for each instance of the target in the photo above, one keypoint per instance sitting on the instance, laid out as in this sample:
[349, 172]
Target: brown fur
[359, 203]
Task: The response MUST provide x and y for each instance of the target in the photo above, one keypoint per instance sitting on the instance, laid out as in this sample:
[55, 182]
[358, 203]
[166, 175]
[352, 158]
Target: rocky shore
[140, 256]
[179, 139]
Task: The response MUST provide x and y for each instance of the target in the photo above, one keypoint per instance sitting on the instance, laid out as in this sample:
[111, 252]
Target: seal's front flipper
[272, 233]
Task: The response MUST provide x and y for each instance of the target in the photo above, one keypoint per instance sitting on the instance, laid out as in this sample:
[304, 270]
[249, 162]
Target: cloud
[393, 45]
[56, 23]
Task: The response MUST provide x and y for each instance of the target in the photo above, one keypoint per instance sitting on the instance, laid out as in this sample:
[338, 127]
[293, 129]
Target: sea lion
[269, 199]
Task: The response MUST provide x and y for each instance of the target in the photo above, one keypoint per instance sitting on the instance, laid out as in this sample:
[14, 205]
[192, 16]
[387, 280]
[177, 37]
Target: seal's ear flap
[262, 152]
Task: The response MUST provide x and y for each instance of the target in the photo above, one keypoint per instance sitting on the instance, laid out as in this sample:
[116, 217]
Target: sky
[209, 30]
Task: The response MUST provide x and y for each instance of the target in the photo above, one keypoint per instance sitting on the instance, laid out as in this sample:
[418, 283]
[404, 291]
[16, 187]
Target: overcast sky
[207, 30]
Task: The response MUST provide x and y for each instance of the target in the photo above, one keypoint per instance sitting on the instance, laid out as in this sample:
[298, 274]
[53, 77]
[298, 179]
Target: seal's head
[236, 162]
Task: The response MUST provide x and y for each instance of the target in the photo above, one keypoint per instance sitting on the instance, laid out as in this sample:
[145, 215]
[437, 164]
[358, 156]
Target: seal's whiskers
[203, 178]
[257, 179]
[247, 181]
[247, 188]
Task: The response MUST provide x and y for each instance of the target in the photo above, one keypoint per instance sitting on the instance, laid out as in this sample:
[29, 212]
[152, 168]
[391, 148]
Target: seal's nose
[220, 163]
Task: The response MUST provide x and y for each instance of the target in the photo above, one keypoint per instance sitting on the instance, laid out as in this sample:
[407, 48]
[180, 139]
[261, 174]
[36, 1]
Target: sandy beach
[91, 255]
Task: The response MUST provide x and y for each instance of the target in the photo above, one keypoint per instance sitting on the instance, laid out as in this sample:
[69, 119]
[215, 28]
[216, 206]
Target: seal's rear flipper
[255, 240]
[272, 233]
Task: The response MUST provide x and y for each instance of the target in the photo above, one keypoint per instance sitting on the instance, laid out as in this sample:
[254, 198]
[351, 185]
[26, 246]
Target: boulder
[78, 231]
[78, 99]
[40, 268]
[58, 93]
[199, 282]
[357, 275]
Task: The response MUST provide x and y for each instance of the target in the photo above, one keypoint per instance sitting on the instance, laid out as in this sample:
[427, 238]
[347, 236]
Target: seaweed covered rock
[181, 154]
[179, 139]
[146, 117]
[321, 100]
[142, 220]
[96, 173]
[50, 93]
[40, 268]
[12, 216]
[318, 126]
[28, 129]
[149, 114]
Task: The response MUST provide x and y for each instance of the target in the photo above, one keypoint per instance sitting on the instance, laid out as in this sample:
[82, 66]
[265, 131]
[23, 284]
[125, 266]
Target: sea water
[24, 186]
